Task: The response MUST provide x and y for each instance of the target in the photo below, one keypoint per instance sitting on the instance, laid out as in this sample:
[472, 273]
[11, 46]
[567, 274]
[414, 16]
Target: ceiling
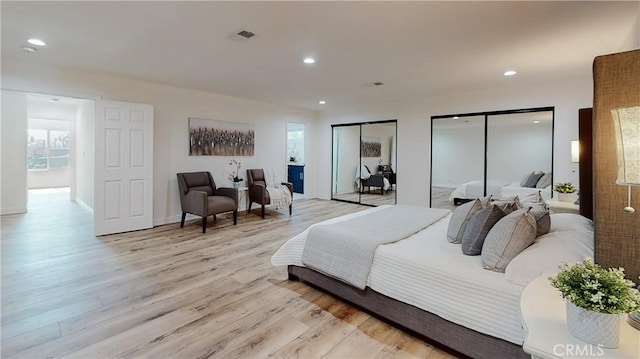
[416, 49]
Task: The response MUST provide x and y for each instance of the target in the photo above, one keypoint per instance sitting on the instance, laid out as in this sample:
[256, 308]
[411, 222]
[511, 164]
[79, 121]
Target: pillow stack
[498, 230]
[536, 180]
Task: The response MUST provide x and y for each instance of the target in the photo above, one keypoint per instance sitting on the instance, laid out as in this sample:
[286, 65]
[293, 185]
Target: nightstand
[243, 196]
[544, 318]
[556, 206]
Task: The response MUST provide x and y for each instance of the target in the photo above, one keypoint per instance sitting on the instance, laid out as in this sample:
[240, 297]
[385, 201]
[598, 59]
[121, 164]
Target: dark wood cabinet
[295, 175]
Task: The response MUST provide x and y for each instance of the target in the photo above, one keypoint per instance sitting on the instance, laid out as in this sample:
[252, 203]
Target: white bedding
[428, 272]
[498, 189]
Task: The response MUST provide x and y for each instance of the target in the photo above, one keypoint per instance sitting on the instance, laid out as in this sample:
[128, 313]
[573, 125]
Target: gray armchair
[258, 189]
[199, 196]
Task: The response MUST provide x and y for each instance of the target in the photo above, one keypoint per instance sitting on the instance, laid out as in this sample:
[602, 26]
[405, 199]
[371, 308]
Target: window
[47, 149]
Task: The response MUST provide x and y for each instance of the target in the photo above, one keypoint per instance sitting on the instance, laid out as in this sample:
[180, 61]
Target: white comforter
[428, 272]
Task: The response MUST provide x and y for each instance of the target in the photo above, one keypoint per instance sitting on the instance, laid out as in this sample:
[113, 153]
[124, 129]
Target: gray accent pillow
[533, 180]
[544, 181]
[525, 178]
[543, 220]
[508, 205]
[459, 219]
[477, 229]
[510, 236]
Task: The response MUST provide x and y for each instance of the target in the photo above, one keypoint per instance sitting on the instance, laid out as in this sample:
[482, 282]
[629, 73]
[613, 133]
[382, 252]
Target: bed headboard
[616, 80]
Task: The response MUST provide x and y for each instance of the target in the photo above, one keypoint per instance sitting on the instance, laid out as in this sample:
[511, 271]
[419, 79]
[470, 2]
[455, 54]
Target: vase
[565, 197]
[593, 327]
[236, 185]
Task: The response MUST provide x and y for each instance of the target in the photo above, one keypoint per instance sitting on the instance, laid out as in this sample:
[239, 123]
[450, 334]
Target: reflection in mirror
[378, 170]
[457, 161]
[346, 160]
[364, 163]
[516, 161]
[519, 144]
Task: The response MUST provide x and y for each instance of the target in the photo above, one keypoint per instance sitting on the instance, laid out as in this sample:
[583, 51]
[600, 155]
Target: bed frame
[428, 326]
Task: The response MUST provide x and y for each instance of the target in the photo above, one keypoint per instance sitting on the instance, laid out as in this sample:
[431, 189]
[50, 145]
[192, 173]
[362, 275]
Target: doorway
[295, 157]
[59, 151]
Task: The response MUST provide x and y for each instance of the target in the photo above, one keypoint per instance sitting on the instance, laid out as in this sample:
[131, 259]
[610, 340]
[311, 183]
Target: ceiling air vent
[242, 36]
[374, 84]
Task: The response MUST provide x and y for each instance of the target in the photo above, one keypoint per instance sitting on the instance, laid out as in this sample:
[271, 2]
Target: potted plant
[565, 191]
[234, 176]
[595, 299]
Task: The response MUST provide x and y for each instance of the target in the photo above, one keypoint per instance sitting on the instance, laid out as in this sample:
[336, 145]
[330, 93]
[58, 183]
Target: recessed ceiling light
[28, 49]
[455, 117]
[309, 60]
[54, 99]
[536, 121]
[322, 102]
[510, 73]
[36, 42]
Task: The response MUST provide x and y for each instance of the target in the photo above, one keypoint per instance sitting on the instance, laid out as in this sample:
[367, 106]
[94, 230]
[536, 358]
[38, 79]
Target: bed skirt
[428, 326]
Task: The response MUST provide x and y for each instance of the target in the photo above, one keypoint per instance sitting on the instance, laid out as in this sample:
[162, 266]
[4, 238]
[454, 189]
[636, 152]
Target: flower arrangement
[234, 175]
[566, 187]
[589, 286]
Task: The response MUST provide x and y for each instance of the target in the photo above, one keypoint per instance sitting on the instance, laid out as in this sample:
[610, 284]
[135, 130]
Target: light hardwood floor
[172, 292]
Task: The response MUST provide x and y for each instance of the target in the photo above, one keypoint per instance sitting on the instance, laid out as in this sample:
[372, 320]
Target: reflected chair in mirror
[388, 173]
[263, 195]
[199, 196]
[373, 180]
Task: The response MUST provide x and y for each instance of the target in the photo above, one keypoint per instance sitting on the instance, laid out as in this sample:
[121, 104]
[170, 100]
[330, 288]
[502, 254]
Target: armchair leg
[235, 217]
[214, 218]
[204, 224]
[290, 208]
[249, 209]
[263, 211]
[184, 215]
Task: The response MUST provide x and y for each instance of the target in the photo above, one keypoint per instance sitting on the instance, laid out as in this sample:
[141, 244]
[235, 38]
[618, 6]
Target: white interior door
[123, 167]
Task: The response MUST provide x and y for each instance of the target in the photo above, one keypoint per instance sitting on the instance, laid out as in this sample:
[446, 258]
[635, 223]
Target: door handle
[301, 176]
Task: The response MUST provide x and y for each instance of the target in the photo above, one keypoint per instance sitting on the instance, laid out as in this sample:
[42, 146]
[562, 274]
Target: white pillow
[570, 222]
[547, 253]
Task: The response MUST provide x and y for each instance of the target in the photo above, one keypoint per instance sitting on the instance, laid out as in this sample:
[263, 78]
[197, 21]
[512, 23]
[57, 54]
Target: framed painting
[370, 147]
[220, 138]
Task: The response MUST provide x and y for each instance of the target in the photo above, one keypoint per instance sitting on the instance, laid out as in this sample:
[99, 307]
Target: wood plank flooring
[175, 292]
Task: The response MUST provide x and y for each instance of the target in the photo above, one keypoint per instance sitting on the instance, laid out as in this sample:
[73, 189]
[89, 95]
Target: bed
[497, 189]
[413, 284]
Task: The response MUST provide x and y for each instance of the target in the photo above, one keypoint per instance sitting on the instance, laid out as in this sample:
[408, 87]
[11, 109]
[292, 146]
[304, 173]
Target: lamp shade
[575, 151]
[626, 122]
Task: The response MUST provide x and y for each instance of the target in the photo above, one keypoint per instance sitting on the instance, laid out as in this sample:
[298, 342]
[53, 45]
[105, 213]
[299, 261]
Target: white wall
[349, 138]
[414, 136]
[172, 108]
[13, 176]
[458, 155]
[83, 152]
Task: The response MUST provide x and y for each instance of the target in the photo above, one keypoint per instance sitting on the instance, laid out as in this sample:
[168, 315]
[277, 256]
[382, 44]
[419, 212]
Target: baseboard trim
[16, 210]
[84, 206]
[173, 219]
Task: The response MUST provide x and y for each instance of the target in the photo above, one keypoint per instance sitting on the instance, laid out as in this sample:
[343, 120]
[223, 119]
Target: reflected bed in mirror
[502, 153]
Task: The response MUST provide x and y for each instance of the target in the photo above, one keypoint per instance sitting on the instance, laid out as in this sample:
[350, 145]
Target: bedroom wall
[567, 95]
[172, 108]
[83, 153]
[13, 132]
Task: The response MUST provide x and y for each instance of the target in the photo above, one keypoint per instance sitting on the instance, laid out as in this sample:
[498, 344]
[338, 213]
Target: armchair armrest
[196, 203]
[289, 186]
[228, 192]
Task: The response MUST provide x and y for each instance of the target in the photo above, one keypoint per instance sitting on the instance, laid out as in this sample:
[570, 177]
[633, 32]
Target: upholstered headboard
[616, 80]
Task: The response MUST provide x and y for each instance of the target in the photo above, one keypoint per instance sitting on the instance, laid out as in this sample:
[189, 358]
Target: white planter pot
[565, 197]
[593, 327]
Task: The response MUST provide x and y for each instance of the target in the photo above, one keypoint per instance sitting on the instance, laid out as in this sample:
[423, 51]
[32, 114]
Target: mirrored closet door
[502, 153]
[364, 163]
